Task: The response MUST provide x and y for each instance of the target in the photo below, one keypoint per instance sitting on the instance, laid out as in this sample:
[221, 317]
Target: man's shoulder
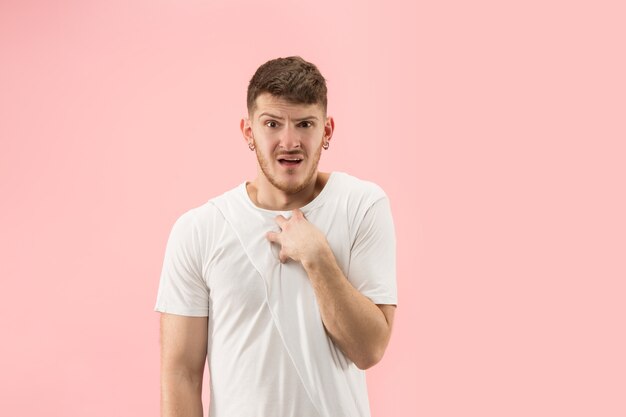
[354, 187]
[209, 210]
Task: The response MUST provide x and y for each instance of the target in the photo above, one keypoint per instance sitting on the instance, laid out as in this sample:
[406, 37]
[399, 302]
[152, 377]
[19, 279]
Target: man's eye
[271, 123]
[306, 124]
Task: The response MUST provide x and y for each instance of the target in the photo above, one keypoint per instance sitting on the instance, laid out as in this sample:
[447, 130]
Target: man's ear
[329, 128]
[246, 130]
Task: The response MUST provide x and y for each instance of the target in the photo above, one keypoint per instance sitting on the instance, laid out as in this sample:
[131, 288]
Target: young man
[285, 283]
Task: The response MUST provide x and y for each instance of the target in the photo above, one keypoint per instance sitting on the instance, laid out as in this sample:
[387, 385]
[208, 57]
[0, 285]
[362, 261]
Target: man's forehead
[267, 103]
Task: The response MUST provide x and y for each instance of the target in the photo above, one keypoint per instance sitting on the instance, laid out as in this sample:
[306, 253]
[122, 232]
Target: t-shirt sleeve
[182, 289]
[372, 267]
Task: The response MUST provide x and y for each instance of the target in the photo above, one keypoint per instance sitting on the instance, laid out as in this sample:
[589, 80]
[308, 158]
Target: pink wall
[497, 131]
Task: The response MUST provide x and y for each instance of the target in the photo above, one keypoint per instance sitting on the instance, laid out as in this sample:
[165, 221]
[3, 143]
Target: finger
[297, 213]
[282, 257]
[281, 221]
[273, 237]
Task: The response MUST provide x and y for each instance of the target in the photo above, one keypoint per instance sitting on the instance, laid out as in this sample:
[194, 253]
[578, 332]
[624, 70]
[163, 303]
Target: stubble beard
[283, 186]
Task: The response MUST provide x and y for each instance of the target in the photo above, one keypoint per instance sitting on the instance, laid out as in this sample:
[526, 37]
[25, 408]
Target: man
[285, 283]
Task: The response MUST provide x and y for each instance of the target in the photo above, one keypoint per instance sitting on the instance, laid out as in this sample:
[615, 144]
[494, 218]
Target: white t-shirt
[268, 352]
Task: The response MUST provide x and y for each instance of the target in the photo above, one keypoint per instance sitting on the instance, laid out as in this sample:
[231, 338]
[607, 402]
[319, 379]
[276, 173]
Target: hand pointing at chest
[298, 239]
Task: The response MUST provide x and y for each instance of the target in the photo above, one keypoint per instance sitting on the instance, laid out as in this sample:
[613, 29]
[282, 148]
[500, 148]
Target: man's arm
[360, 328]
[183, 355]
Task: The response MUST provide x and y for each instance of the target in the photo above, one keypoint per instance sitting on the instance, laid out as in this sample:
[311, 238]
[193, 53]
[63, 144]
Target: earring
[251, 146]
[326, 145]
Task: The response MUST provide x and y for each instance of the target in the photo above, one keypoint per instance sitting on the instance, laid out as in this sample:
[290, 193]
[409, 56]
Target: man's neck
[264, 195]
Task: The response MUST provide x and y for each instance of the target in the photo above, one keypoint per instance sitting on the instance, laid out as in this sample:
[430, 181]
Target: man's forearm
[353, 321]
[180, 396]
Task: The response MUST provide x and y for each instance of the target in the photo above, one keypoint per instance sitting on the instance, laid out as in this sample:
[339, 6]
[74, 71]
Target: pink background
[497, 129]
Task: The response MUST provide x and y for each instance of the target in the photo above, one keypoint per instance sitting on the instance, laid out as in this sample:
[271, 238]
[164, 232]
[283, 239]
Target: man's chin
[290, 188]
[291, 181]
[292, 185]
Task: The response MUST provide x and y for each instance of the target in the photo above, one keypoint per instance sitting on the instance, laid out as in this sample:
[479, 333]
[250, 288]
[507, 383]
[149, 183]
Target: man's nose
[290, 139]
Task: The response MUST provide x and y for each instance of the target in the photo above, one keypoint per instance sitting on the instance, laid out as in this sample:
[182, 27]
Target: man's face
[288, 140]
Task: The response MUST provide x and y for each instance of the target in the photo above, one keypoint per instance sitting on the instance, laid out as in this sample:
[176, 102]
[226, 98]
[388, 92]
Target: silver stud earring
[326, 145]
[251, 146]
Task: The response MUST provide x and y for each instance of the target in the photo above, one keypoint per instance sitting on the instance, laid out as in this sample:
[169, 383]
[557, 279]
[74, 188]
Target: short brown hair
[292, 79]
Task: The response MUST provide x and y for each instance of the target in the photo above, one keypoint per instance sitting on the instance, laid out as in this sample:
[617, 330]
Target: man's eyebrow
[306, 118]
[273, 116]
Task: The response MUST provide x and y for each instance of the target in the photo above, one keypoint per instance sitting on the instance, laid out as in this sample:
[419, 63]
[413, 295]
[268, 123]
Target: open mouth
[290, 161]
